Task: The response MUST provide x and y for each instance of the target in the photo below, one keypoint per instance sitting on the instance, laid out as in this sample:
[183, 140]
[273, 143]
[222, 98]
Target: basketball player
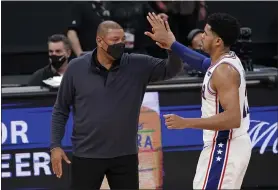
[225, 113]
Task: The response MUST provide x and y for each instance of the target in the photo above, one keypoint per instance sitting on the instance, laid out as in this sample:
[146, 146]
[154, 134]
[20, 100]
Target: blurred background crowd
[32, 32]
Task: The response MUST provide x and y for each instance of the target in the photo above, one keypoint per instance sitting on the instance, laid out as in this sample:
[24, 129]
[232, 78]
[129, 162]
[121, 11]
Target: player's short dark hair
[225, 26]
[60, 38]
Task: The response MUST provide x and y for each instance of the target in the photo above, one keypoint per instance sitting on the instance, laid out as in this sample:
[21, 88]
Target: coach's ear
[98, 41]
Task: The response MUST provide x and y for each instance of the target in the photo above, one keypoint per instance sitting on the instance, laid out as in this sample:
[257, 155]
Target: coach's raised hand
[161, 32]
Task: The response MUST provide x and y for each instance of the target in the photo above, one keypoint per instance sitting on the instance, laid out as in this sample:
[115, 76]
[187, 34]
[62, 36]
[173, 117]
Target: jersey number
[203, 91]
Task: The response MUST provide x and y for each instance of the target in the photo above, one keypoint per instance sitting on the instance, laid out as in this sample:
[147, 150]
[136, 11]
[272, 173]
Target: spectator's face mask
[115, 50]
[57, 61]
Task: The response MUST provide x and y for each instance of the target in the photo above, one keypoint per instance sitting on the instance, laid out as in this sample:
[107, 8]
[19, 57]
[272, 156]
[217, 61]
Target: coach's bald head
[110, 33]
[106, 26]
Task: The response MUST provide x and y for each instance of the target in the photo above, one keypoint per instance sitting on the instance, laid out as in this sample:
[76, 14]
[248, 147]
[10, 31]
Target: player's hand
[57, 155]
[173, 121]
[161, 32]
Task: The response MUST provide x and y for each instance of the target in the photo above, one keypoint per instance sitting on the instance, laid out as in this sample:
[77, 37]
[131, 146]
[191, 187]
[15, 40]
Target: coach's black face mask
[116, 50]
[57, 61]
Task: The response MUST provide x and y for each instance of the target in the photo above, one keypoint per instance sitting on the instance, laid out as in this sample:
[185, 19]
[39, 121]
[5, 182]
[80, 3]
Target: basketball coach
[104, 90]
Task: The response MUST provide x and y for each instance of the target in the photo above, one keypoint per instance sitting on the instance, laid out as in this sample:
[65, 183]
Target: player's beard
[204, 48]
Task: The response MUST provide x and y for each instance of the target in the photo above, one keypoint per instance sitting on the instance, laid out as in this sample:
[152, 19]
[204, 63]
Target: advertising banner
[26, 140]
[26, 158]
[263, 129]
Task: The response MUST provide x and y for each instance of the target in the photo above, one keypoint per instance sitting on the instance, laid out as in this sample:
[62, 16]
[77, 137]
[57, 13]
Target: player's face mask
[116, 50]
[57, 61]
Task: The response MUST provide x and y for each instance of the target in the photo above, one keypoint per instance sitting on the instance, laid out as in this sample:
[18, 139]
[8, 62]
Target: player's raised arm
[191, 57]
[165, 39]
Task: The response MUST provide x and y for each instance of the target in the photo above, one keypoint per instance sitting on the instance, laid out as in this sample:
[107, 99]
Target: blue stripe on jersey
[218, 159]
[222, 134]
[217, 164]
[220, 109]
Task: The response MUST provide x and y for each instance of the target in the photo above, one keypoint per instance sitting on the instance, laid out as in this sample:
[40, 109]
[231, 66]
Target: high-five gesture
[161, 32]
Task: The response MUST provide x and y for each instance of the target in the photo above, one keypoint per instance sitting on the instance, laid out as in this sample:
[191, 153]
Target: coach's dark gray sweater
[106, 104]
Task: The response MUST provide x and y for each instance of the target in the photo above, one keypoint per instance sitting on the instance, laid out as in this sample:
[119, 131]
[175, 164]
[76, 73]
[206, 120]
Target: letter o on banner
[4, 133]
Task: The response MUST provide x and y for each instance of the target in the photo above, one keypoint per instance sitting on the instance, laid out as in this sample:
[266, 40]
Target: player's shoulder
[231, 58]
[230, 63]
[225, 68]
[226, 74]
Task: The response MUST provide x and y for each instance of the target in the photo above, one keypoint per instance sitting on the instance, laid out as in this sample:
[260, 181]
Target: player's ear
[218, 41]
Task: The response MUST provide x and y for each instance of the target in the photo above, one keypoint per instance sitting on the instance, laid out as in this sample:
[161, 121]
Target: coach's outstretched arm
[156, 69]
[165, 39]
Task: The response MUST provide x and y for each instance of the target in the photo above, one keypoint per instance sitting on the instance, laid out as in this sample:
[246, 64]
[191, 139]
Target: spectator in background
[194, 39]
[132, 17]
[59, 51]
[86, 16]
[183, 16]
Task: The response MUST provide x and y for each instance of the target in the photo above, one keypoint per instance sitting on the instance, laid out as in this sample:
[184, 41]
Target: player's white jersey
[211, 104]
